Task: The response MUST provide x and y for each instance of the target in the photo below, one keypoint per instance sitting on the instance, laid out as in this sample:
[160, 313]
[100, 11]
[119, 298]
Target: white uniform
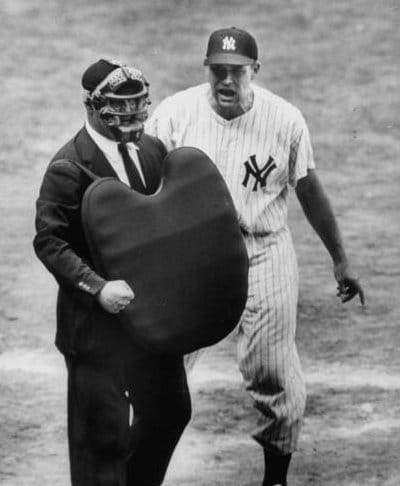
[259, 154]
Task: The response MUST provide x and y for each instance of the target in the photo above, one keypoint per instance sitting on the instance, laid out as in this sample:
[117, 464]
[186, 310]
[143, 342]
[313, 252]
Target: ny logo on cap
[228, 44]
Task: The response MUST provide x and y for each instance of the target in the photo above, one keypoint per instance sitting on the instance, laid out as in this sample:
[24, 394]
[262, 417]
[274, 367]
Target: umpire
[126, 408]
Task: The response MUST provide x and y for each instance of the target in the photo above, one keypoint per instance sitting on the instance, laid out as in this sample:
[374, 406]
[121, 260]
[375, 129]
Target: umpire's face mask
[125, 116]
[118, 106]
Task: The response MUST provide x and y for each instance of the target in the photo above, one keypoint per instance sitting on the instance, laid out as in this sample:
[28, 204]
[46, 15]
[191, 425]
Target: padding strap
[87, 171]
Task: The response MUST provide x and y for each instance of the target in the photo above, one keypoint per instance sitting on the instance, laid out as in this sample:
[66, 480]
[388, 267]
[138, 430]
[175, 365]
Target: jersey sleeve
[160, 124]
[301, 157]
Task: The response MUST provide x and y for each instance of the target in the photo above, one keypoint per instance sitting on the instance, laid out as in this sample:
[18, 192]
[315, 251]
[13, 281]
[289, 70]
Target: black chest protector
[180, 249]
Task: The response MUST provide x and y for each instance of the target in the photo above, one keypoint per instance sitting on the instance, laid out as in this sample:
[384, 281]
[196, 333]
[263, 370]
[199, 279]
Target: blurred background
[339, 63]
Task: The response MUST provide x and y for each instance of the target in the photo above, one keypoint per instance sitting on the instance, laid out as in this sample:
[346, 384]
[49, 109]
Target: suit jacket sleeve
[59, 242]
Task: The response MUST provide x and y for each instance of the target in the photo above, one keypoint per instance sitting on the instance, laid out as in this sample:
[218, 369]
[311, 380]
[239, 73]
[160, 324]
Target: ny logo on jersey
[228, 44]
[260, 174]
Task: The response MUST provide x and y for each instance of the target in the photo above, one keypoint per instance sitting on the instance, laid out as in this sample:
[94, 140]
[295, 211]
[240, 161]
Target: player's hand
[348, 284]
[115, 296]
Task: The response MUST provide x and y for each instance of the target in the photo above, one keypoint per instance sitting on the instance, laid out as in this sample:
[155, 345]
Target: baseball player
[261, 145]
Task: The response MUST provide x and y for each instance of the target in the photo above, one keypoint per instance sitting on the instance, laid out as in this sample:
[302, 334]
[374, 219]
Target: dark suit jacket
[82, 326]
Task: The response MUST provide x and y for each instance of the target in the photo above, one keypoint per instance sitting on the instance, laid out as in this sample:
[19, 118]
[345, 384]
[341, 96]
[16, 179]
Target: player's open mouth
[226, 94]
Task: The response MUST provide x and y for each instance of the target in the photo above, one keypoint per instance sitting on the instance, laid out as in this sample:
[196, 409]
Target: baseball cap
[231, 46]
[96, 73]
[131, 81]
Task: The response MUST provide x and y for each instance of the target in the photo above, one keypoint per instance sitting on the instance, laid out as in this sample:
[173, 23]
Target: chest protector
[180, 250]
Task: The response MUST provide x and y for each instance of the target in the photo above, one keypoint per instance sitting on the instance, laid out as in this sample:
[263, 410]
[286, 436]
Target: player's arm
[58, 231]
[318, 210]
[160, 124]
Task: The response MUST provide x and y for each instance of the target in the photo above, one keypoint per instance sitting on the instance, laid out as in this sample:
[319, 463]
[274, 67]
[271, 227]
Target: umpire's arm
[318, 210]
[59, 233]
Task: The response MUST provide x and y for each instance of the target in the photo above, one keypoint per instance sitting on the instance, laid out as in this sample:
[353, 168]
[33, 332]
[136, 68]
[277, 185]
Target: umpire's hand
[348, 283]
[115, 296]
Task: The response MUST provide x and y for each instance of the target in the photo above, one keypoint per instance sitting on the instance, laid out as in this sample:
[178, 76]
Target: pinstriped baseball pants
[267, 353]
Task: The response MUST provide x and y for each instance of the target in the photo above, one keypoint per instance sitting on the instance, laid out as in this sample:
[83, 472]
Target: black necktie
[131, 171]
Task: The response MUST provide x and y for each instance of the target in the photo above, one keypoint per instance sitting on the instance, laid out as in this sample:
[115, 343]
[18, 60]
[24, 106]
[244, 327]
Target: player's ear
[255, 68]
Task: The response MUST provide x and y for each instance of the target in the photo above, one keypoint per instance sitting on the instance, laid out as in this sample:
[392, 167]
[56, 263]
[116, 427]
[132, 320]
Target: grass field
[339, 63]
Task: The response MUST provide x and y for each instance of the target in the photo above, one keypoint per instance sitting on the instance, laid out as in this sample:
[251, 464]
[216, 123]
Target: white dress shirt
[110, 150]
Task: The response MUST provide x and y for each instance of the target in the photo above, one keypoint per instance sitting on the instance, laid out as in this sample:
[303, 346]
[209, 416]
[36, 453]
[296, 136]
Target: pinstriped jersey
[259, 153]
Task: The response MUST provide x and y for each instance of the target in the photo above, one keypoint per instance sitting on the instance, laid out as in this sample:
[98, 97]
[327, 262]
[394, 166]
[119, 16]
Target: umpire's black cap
[231, 46]
[131, 82]
[97, 72]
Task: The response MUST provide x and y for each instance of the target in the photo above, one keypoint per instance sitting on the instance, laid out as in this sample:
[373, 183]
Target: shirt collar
[106, 145]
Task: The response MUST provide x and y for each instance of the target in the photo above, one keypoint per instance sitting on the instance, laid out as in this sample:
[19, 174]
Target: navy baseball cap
[231, 46]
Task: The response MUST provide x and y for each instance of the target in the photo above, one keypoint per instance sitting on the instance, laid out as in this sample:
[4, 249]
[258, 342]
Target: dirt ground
[338, 61]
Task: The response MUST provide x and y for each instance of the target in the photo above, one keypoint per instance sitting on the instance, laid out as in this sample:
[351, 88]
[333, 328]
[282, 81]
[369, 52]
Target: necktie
[131, 171]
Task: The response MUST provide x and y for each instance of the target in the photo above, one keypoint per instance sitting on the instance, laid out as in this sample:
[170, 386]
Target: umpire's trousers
[126, 414]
